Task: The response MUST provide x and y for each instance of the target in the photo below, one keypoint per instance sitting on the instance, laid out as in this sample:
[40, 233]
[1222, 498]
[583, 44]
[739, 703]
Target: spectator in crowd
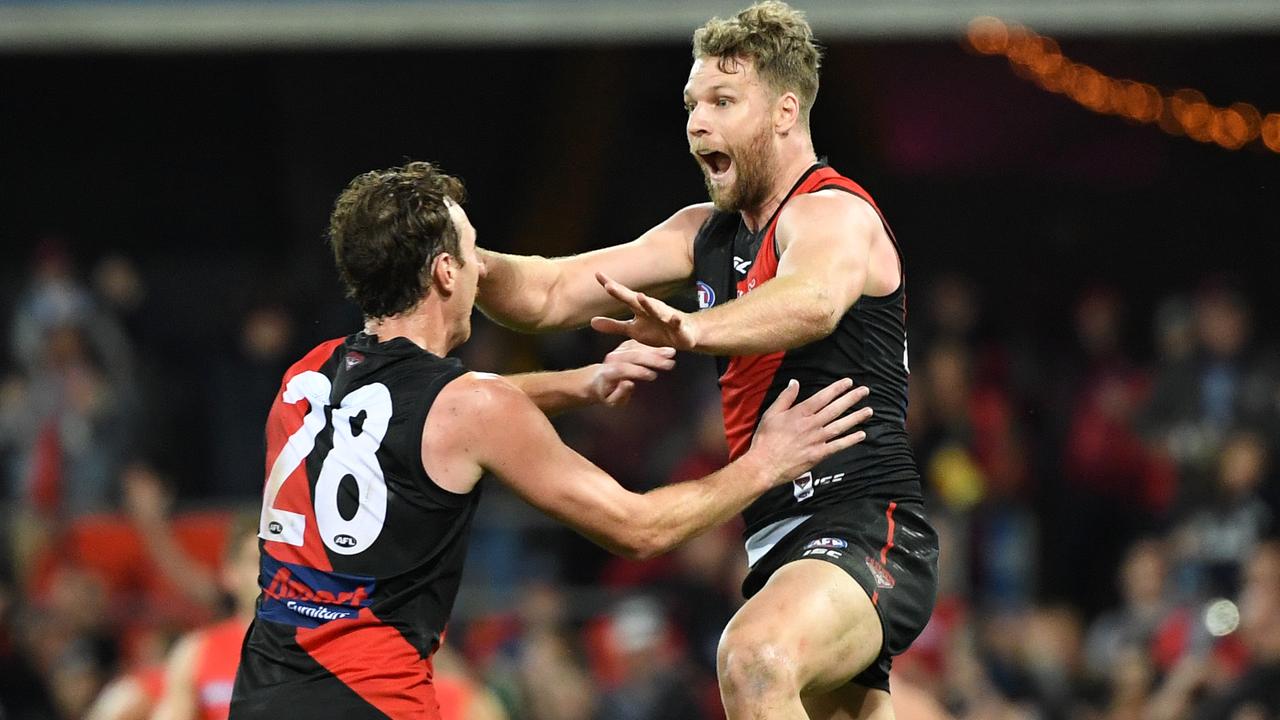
[1256, 693]
[973, 464]
[654, 683]
[1108, 473]
[1225, 383]
[1216, 538]
[241, 385]
[1131, 628]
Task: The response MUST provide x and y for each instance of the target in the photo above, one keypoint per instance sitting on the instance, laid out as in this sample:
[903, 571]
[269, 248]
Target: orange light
[1194, 113]
[988, 35]
[1136, 103]
[1228, 129]
[1168, 120]
[1061, 78]
[1251, 118]
[1023, 45]
[1155, 102]
[1271, 132]
[1090, 89]
[1187, 112]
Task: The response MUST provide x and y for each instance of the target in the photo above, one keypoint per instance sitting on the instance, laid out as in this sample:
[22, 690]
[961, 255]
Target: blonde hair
[777, 38]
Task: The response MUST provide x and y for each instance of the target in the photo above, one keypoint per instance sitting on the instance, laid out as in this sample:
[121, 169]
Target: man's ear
[786, 113]
[444, 273]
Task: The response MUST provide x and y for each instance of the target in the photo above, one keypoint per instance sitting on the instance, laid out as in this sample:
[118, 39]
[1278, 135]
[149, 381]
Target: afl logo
[275, 528]
[706, 296]
[344, 541]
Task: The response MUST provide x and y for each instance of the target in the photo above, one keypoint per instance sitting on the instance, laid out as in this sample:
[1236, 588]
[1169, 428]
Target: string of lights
[1186, 112]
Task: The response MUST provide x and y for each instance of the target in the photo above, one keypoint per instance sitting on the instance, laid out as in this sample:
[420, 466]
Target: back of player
[361, 551]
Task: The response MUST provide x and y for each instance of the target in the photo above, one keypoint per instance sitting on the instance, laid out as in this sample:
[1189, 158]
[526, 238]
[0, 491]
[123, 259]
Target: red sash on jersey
[746, 381]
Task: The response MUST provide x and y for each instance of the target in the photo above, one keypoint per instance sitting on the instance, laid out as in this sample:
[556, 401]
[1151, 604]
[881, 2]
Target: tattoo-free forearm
[674, 513]
[556, 392]
[516, 291]
[783, 313]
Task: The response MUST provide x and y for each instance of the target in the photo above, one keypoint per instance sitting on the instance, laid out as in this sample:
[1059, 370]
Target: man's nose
[697, 125]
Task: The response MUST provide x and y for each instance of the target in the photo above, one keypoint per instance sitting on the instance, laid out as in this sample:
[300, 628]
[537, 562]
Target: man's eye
[722, 102]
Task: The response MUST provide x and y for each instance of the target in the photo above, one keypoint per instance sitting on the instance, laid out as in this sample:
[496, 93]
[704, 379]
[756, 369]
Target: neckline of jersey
[820, 164]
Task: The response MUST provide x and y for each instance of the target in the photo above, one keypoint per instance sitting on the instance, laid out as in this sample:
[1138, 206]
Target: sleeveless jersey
[868, 346]
[362, 552]
[216, 662]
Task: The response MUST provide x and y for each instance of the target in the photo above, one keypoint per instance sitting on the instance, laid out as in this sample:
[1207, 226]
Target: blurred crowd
[1103, 486]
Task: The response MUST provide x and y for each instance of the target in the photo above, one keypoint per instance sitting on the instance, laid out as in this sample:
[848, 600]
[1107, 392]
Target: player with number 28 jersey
[351, 414]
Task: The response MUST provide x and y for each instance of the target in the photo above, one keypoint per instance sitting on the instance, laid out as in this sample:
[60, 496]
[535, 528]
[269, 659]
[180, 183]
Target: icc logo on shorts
[706, 296]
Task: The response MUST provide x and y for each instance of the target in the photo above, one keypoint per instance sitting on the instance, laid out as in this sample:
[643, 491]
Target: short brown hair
[386, 229]
[777, 38]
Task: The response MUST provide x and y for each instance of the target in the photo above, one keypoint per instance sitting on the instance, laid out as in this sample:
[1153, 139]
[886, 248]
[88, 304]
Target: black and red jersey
[868, 346]
[362, 552]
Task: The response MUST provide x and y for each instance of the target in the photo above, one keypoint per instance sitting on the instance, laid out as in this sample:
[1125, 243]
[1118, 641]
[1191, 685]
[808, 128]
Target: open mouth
[716, 162]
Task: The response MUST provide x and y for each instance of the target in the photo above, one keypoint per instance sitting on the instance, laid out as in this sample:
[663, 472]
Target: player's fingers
[620, 394]
[844, 442]
[611, 326]
[657, 361]
[843, 425]
[659, 309]
[630, 346]
[620, 292]
[785, 399]
[841, 405]
[825, 396]
[664, 357]
[631, 371]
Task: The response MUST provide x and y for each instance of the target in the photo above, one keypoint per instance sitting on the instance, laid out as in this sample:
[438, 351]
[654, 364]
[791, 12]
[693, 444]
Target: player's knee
[751, 666]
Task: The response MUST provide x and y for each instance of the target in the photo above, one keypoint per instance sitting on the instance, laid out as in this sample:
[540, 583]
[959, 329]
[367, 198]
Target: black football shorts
[888, 547]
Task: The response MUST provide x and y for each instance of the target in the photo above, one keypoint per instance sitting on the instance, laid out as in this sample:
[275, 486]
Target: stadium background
[1095, 397]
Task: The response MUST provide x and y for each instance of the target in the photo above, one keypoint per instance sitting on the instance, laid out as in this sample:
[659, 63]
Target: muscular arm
[532, 294]
[610, 382]
[825, 241]
[459, 443]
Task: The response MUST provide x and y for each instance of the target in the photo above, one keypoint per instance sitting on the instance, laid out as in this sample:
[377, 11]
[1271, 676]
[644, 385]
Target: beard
[753, 166]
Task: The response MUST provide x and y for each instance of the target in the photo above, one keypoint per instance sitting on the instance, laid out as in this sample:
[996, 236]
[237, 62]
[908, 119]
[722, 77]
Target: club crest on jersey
[884, 579]
[706, 296]
[803, 487]
[353, 359]
[305, 597]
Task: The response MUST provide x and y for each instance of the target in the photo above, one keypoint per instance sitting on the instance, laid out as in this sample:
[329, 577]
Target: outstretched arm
[533, 294]
[610, 382]
[825, 240]
[459, 443]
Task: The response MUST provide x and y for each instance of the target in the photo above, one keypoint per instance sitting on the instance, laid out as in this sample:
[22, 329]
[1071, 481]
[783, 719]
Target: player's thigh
[817, 617]
[850, 702]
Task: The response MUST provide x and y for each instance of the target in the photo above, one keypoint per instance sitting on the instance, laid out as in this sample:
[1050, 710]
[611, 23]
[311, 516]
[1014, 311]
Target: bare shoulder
[667, 248]
[693, 215]
[683, 225]
[475, 399]
[825, 214]
[459, 436]
[827, 206]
